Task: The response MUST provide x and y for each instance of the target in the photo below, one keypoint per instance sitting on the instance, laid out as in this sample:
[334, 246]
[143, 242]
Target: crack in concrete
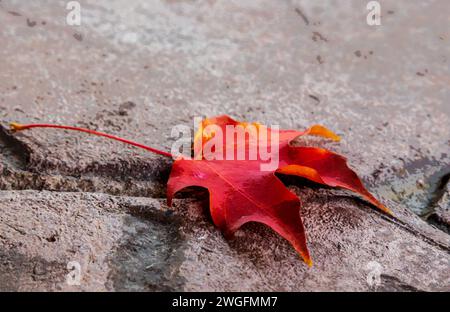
[399, 223]
[437, 194]
[20, 170]
[436, 216]
[406, 227]
[439, 222]
[392, 283]
[18, 150]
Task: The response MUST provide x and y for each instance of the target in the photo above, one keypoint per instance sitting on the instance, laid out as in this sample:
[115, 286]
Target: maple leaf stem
[18, 127]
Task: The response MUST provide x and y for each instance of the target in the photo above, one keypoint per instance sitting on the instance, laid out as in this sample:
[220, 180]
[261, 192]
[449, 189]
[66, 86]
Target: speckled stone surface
[138, 68]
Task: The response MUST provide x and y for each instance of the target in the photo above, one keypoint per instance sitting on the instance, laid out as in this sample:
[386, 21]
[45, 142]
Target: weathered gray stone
[118, 244]
[125, 243]
[138, 68]
[443, 206]
[440, 215]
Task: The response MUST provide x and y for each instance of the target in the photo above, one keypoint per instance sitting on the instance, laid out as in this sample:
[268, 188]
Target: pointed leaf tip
[385, 209]
[321, 131]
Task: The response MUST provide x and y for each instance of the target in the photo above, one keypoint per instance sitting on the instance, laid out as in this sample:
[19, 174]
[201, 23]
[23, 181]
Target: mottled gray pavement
[137, 68]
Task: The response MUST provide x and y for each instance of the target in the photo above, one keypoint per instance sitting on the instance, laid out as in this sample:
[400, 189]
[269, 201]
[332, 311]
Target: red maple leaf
[239, 191]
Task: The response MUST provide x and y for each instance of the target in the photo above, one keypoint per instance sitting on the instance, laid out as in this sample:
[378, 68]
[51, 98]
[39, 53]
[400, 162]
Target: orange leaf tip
[385, 209]
[321, 131]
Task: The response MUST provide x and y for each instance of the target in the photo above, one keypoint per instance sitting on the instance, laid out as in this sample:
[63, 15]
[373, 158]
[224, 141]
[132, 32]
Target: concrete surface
[137, 68]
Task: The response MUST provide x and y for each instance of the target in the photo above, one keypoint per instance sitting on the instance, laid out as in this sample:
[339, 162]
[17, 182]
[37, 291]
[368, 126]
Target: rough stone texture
[137, 68]
[119, 244]
[440, 216]
[125, 243]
